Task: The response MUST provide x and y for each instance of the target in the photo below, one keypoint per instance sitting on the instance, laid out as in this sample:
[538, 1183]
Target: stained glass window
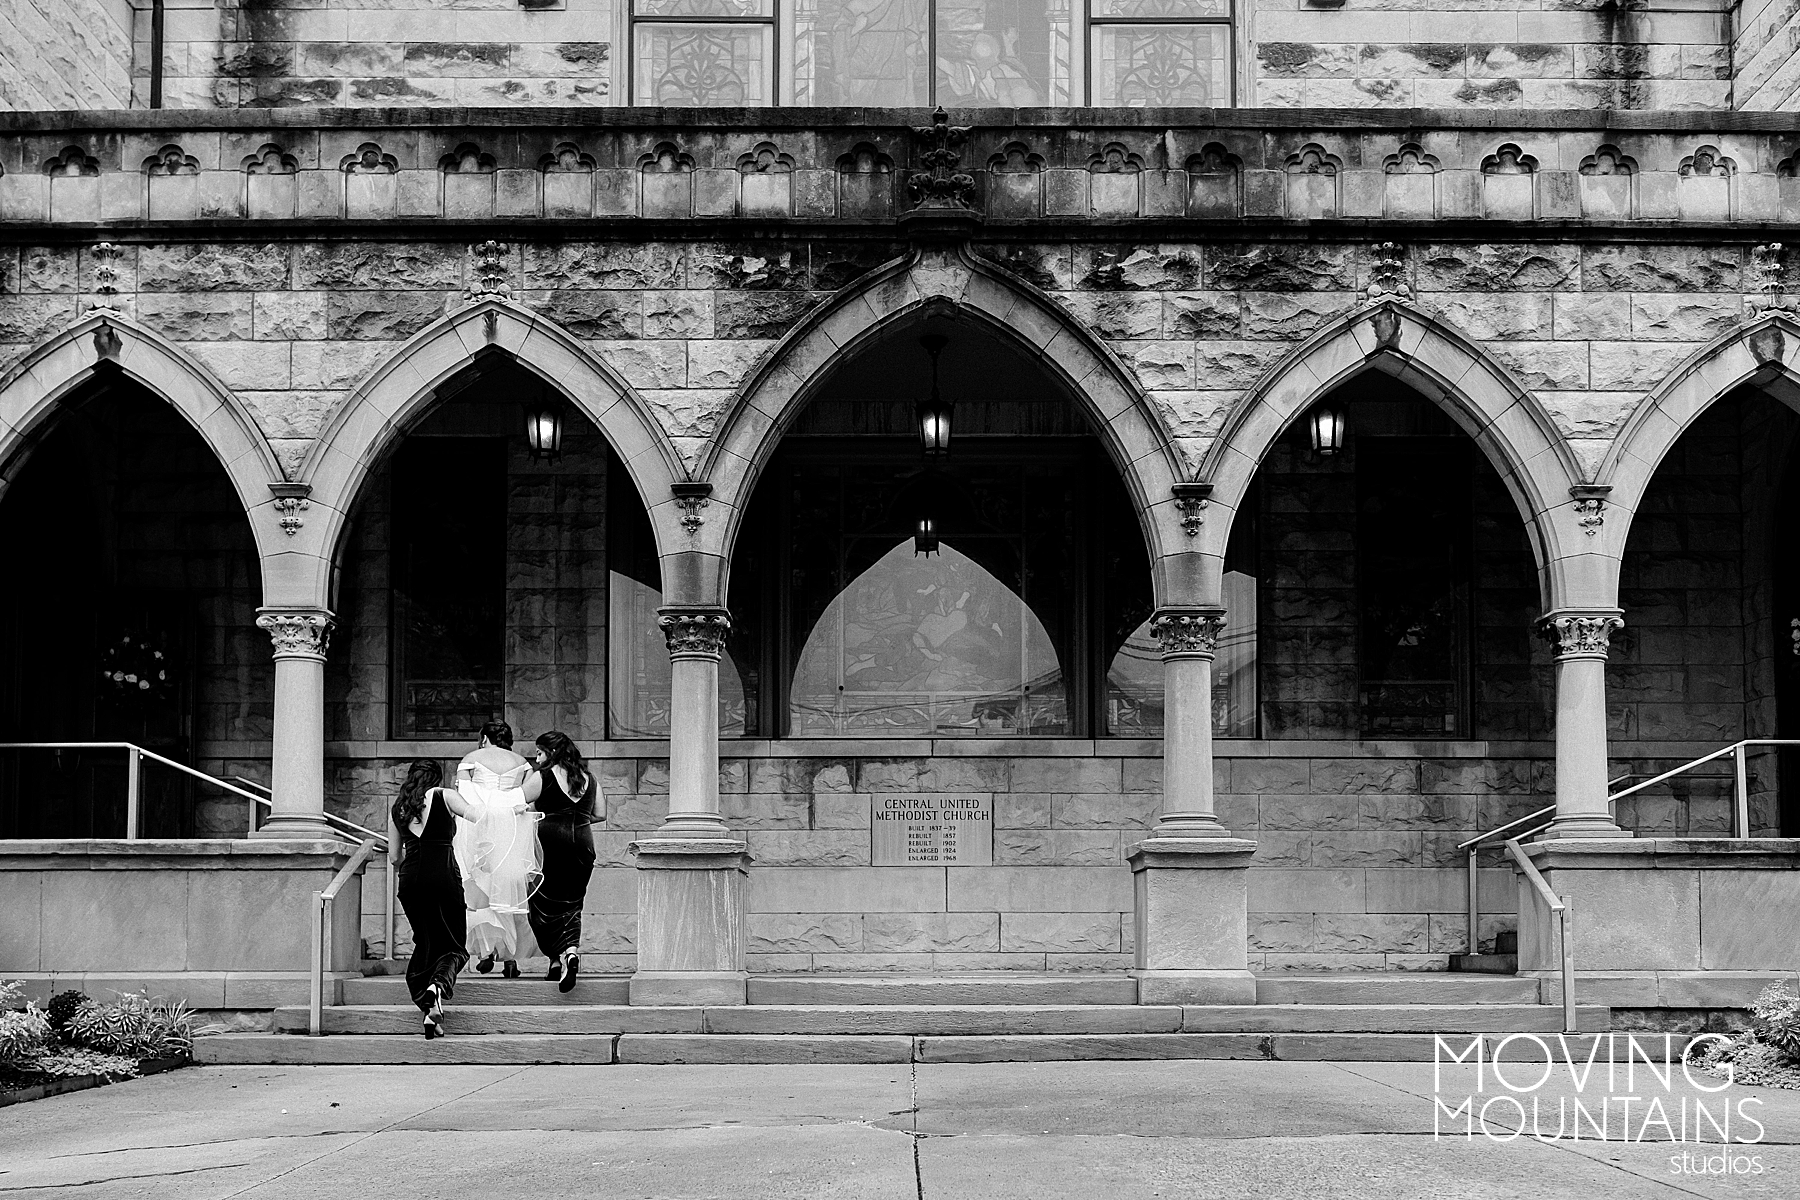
[904, 53]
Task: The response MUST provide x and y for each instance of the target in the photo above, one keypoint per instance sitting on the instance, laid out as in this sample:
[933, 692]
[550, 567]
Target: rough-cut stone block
[807, 932]
[1039, 889]
[1086, 933]
[912, 933]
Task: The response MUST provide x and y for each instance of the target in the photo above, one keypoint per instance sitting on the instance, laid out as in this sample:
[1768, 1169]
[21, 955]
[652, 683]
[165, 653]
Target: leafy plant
[1775, 1019]
[24, 1035]
[62, 1006]
[134, 1025]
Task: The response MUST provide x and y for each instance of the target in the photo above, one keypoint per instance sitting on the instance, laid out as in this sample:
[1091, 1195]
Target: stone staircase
[897, 1019]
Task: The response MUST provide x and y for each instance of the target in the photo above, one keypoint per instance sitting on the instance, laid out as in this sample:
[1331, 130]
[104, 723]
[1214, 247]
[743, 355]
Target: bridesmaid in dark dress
[431, 889]
[562, 789]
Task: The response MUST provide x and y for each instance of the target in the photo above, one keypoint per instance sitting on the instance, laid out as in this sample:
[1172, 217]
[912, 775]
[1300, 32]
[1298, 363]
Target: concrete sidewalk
[1102, 1129]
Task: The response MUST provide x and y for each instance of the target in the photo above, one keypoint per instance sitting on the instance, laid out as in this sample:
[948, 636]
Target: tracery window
[959, 53]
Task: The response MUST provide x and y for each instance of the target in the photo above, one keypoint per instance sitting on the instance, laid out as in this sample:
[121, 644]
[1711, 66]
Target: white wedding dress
[500, 861]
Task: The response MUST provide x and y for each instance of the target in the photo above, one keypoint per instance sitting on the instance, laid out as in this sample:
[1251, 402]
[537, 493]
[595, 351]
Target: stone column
[297, 773]
[693, 876]
[1189, 881]
[1581, 640]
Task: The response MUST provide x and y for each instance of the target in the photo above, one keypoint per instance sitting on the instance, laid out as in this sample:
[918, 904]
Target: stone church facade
[289, 330]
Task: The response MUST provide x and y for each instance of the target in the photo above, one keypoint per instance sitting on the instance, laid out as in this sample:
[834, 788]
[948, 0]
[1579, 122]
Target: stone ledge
[1666, 853]
[187, 854]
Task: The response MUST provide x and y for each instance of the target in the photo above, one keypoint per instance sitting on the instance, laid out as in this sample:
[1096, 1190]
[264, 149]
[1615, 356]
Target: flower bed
[75, 1042]
[1769, 1052]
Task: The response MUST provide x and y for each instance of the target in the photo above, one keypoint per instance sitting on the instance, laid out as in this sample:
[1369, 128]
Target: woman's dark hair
[562, 753]
[498, 733]
[424, 775]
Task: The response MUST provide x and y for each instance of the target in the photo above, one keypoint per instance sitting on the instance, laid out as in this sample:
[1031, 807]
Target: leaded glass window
[905, 53]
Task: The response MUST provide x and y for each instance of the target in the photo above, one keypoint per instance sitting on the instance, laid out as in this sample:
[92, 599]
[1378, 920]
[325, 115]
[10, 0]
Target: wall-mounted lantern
[925, 538]
[934, 410]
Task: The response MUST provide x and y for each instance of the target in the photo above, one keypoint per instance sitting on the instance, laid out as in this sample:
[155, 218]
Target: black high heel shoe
[571, 970]
[510, 970]
[434, 1013]
[555, 971]
[485, 965]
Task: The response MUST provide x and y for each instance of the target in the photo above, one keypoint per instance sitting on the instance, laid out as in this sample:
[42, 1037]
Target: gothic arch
[1500, 414]
[365, 426]
[951, 283]
[1764, 352]
[33, 387]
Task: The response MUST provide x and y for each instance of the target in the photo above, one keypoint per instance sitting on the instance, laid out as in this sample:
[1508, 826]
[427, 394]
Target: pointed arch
[32, 389]
[1503, 417]
[951, 283]
[366, 426]
[1763, 352]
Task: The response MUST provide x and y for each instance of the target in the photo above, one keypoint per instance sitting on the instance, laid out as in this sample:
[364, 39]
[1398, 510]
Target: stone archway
[33, 387]
[365, 426]
[1762, 353]
[922, 284]
[1505, 420]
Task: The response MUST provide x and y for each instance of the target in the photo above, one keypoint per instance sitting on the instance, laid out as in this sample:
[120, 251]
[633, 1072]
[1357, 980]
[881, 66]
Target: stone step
[994, 988]
[489, 989]
[952, 1021]
[647, 1048]
[1395, 987]
[1485, 964]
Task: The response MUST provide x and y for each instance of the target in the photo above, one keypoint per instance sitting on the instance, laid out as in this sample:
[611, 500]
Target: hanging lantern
[543, 431]
[925, 538]
[1326, 428]
[934, 411]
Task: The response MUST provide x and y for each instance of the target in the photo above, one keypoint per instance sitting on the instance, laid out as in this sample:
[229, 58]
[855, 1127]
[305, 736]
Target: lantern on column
[925, 537]
[1326, 427]
[934, 410]
[543, 430]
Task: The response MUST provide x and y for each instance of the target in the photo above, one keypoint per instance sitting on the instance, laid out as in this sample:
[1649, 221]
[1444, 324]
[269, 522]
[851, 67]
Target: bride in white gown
[497, 851]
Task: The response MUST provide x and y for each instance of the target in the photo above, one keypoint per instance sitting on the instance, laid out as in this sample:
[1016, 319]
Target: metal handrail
[1740, 809]
[1561, 907]
[321, 927]
[134, 760]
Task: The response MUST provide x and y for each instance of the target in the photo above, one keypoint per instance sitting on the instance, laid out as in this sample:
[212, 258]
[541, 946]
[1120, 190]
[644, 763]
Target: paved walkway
[1125, 1130]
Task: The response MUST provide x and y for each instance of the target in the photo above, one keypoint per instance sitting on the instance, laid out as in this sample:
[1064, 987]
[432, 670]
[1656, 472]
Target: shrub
[62, 1006]
[24, 1035]
[133, 1025]
[1775, 1019]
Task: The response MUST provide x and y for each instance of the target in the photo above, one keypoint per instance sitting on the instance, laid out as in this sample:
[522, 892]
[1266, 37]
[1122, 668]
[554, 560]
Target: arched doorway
[130, 616]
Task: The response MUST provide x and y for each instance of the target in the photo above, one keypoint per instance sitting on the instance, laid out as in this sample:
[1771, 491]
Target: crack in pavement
[170, 1174]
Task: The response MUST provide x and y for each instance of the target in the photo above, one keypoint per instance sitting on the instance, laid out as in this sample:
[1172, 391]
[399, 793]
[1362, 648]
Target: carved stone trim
[694, 632]
[490, 272]
[298, 634]
[290, 501]
[1765, 272]
[1188, 632]
[1580, 634]
[692, 497]
[1590, 505]
[106, 278]
[1191, 500]
[1387, 272]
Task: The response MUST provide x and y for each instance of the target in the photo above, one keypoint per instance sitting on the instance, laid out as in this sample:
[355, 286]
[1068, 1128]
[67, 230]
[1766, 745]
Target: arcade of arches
[1380, 596]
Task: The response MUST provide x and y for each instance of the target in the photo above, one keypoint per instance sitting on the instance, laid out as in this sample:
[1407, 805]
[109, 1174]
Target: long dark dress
[568, 843]
[431, 892]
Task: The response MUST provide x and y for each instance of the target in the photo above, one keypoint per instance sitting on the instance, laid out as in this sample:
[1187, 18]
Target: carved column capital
[1188, 632]
[297, 633]
[1580, 634]
[694, 632]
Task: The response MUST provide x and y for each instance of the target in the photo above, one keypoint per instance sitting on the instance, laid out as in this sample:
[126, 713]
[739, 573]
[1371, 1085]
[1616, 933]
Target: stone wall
[1765, 74]
[386, 53]
[1444, 54]
[60, 54]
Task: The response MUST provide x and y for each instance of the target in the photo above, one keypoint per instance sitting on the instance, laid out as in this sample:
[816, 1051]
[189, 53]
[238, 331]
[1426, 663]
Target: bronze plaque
[916, 831]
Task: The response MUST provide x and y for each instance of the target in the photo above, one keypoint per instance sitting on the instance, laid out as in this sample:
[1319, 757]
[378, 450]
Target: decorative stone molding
[1188, 632]
[106, 278]
[271, 159]
[1313, 159]
[1590, 505]
[290, 501]
[1580, 634]
[107, 344]
[943, 184]
[171, 160]
[304, 633]
[71, 163]
[1191, 500]
[765, 158]
[665, 158]
[1115, 159]
[369, 160]
[1766, 262]
[468, 159]
[694, 632]
[1385, 324]
[568, 158]
[1509, 159]
[691, 497]
[1608, 160]
[490, 283]
[1410, 159]
[1707, 160]
[1387, 272]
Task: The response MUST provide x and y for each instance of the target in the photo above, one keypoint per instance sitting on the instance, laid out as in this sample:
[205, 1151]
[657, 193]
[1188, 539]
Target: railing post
[1474, 905]
[316, 997]
[1566, 919]
[134, 771]
[393, 885]
[1740, 814]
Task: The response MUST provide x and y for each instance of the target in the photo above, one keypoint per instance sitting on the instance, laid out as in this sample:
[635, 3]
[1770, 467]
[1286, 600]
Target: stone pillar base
[293, 827]
[693, 894]
[1195, 987]
[1190, 921]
